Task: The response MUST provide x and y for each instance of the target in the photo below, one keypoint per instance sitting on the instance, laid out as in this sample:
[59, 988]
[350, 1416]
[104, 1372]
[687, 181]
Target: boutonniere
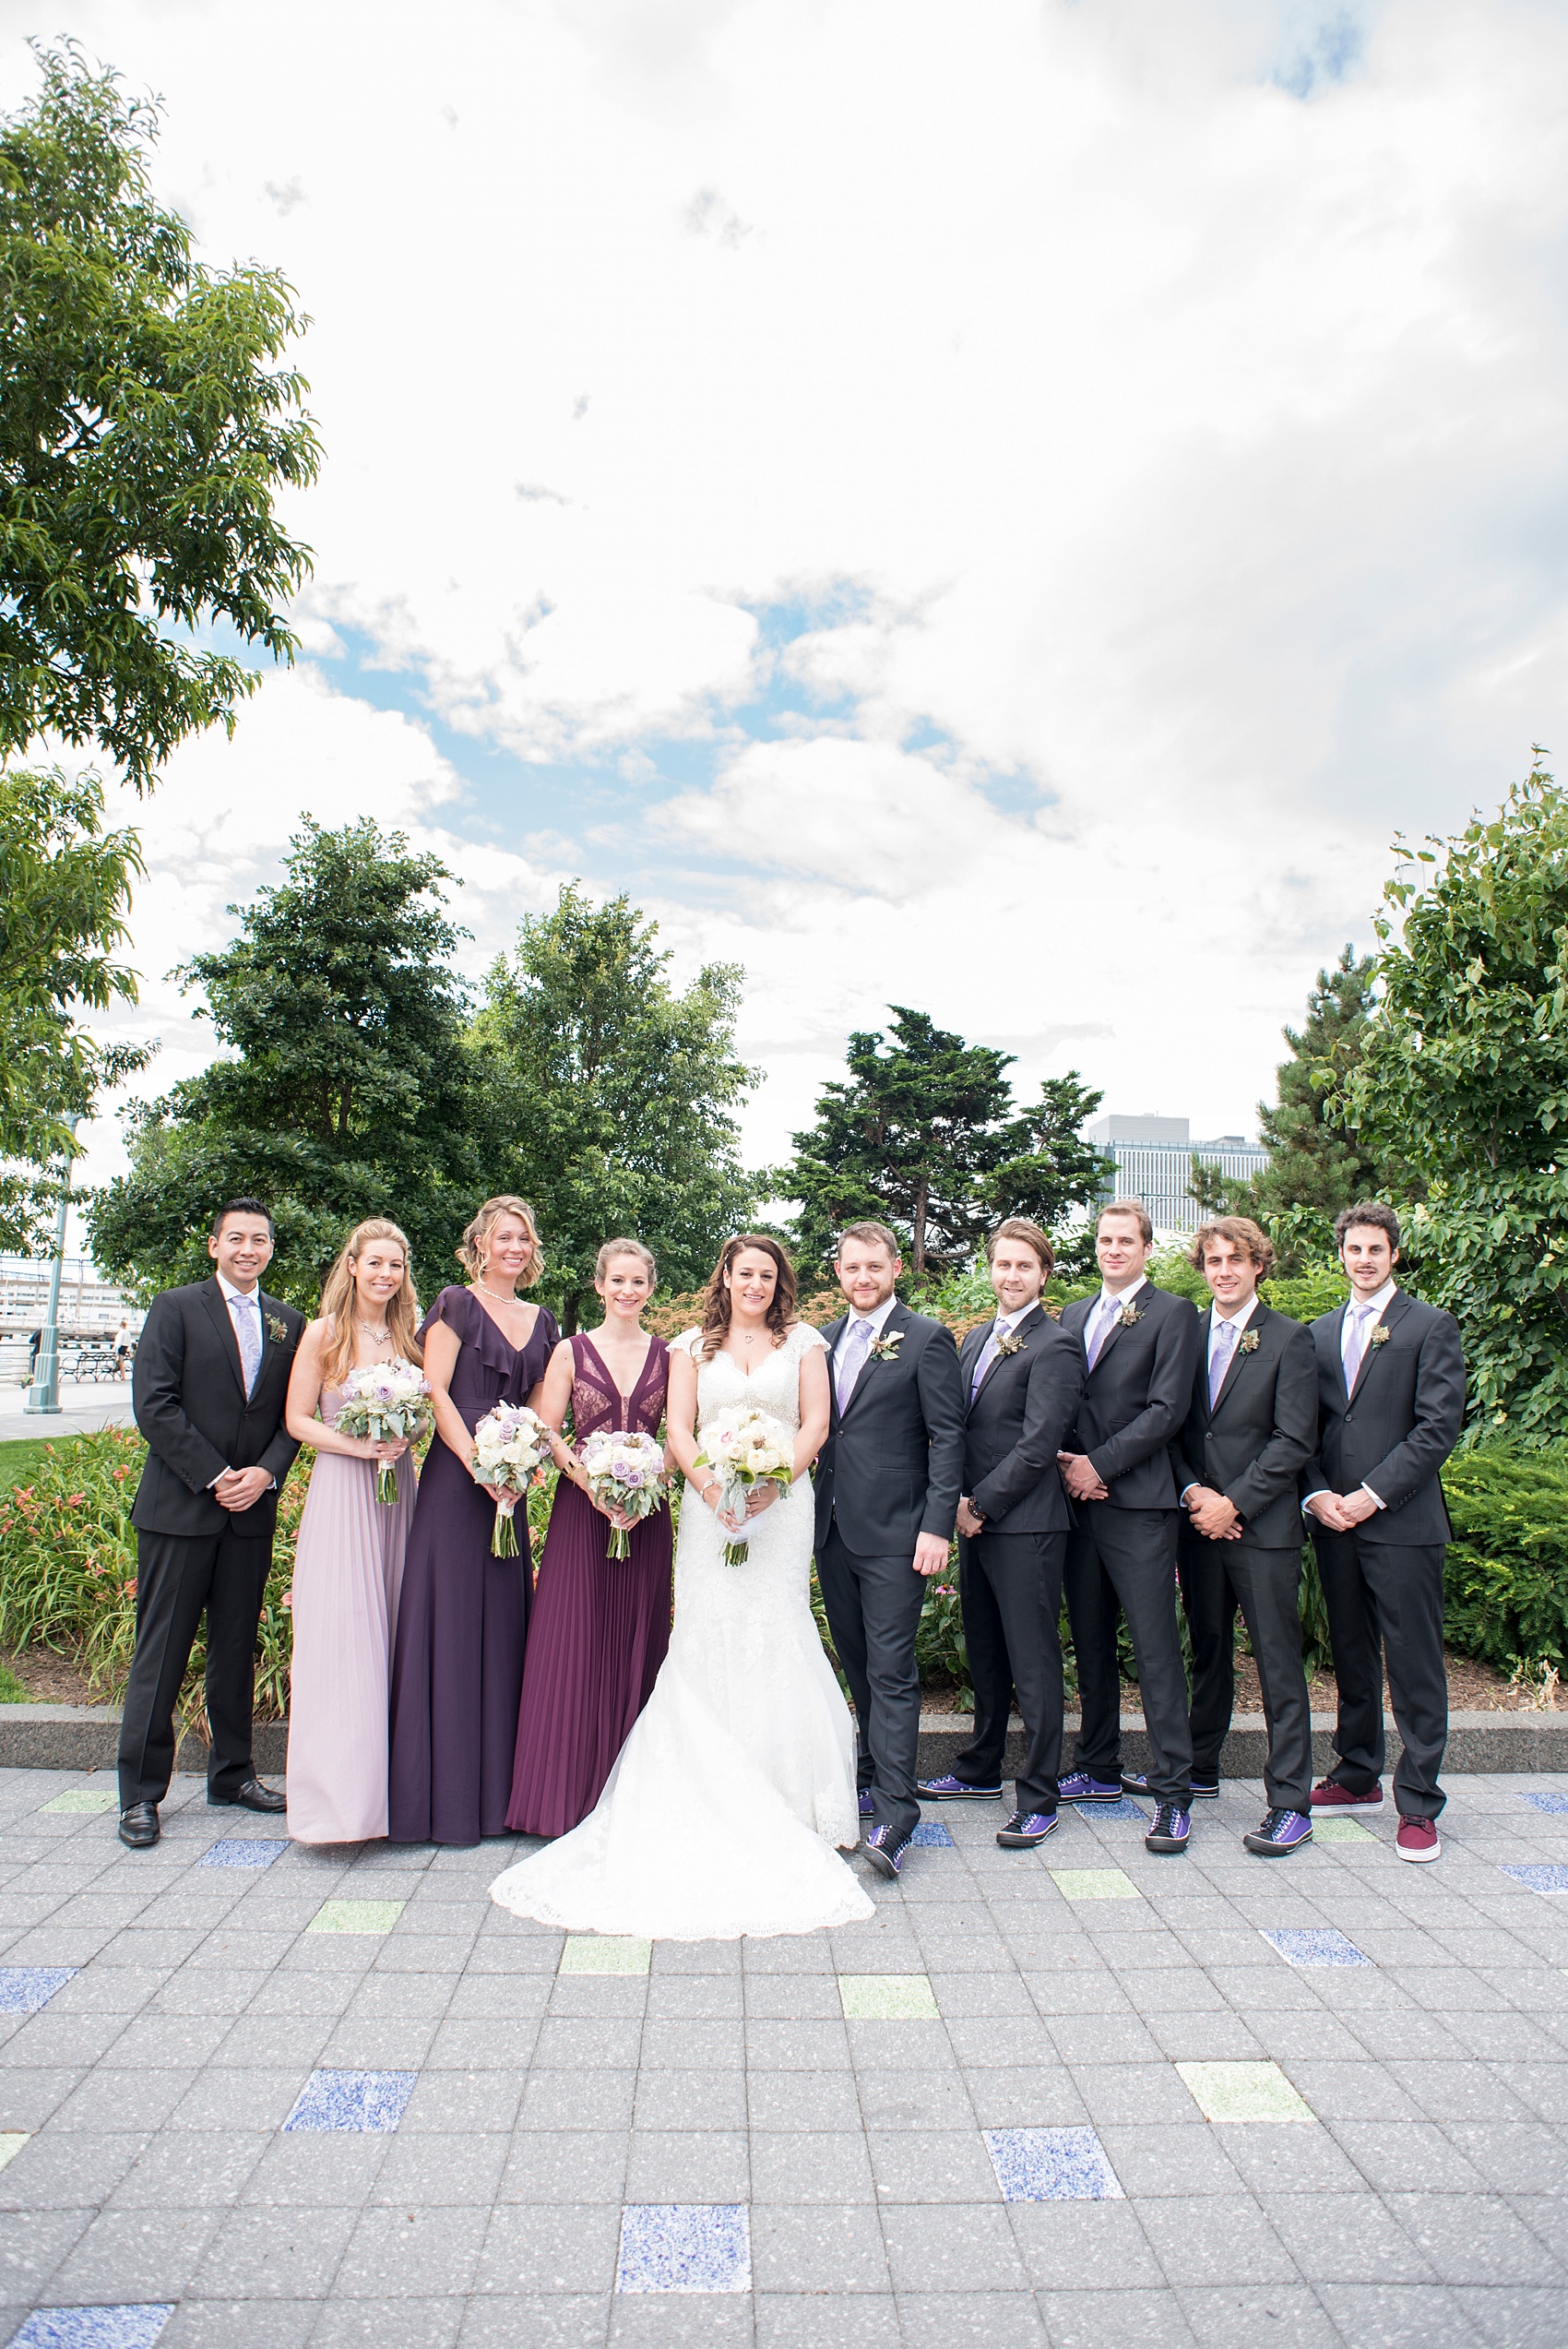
[886, 1347]
[276, 1329]
[1249, 1342]
[1010, 1341]
[1127, 1315]
[1381, 1335]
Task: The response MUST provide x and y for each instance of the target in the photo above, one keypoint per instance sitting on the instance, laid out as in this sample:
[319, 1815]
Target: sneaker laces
[1277, 1817]
[1165, 1817]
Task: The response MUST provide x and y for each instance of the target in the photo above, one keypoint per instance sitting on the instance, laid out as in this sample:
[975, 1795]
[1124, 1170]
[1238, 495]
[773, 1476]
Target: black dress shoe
[139, 1826]
[252, 1796]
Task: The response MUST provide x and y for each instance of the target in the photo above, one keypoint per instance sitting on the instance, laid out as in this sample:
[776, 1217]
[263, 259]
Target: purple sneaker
[1079, 1787]
[1025, 1830]
[884, 1848]
[1173, 1826]
[956, 1790]
[868, 1802]
[1280, 1833]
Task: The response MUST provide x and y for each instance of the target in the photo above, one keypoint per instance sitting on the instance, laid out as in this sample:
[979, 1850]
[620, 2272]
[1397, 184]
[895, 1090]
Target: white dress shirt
[1217, 1322]
[877, 1317]
[249, 1300]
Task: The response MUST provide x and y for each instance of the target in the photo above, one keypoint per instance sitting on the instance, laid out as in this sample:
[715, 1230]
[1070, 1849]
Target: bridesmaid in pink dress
[349, 1563]
[601, 1626]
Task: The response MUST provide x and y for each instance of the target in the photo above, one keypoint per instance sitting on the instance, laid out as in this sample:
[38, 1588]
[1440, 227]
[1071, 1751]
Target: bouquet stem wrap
[625, 1472]
[386, 1402]
[510, 1442]
[744, 1447]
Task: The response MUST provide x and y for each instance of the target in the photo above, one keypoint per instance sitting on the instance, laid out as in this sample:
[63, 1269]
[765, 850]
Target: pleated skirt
[599, 1632]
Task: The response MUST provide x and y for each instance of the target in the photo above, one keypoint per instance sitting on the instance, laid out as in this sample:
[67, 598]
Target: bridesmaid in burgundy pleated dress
[601, 1625]
[463, 1615]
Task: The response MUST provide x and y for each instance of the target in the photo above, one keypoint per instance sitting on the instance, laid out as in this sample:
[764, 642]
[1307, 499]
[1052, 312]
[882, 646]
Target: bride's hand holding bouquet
[753, 1459]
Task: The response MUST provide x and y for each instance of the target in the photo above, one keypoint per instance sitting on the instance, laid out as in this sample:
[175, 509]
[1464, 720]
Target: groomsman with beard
[1023, 1376]
[887, 1480]
[1251, 1430]
[1140, 1351]
[1391, 1405]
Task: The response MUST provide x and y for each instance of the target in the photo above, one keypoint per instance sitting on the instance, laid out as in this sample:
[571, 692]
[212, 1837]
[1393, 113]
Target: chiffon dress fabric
[463, 1615]
[348, 1573]
[601, 1626]
[721, 1815]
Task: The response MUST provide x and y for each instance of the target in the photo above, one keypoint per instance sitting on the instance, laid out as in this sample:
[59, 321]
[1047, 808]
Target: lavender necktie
[244, 1312]
[1219, 1361]
[987, 1356]
[1359, 1316]
[851, 1359]
[1101, 1330]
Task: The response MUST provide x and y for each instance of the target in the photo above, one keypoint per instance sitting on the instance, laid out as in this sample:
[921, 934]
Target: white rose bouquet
[744, 1447]
[625, 1472]
[386, 1400]
[510, 1442]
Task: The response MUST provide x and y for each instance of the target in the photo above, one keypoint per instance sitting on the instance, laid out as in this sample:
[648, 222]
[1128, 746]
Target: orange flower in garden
[121, 1473]
[130, 1590]
[75, 1500]
[288, 1601]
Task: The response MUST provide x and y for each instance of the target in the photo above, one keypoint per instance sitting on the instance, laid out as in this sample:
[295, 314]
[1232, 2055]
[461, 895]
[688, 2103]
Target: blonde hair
[1241, 1232]
[339, 1295]
[471, 1251]
[1136, 1210]
[1018, 1227]
[612, 1249]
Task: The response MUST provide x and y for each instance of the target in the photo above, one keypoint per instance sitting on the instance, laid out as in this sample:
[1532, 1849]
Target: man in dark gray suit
[1140, 1350]
[888, 1481]
[1023, 1376]
[1252, 1430]
[1391, 1405]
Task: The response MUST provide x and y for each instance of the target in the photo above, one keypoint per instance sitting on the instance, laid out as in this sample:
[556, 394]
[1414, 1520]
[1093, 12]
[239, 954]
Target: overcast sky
[1006, 508]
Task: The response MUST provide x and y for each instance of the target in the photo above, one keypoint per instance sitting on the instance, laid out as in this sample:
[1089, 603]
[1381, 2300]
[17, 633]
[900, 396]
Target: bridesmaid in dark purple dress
[463, 1615]
[601, 1625]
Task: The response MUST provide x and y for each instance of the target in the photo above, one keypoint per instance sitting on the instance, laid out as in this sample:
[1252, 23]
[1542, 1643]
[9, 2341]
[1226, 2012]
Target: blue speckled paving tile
[1314, 1945]
[1547, 1800]
[1126, 1808]
[1052, 2165]
[23, 1989]
[134, 2326]
[933, 1835]
[244, 1850]
[358, 2100]
[1549, 1878]
[684, 2246]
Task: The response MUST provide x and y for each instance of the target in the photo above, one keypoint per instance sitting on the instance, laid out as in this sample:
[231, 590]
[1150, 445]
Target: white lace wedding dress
[721, 1815]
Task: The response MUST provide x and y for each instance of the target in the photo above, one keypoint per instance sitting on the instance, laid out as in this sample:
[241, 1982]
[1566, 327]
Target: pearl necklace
[500, 1295]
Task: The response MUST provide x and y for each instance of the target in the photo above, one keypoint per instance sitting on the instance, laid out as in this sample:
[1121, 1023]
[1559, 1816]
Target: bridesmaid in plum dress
[349, 1562]
[601, 1625]
[457, 1665]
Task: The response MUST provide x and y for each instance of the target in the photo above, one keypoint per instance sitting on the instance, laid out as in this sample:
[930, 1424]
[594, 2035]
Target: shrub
[1506, 1583]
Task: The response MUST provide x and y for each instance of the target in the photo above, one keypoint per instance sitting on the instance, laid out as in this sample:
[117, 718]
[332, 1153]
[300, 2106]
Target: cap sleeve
[687, 1343]
[808, 1337]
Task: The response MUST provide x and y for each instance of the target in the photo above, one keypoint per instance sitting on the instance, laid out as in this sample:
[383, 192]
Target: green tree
[1464, 1076]
[923, 1138]
[347, 1092]
[145, 429]
[609, 1097]
[65, 888]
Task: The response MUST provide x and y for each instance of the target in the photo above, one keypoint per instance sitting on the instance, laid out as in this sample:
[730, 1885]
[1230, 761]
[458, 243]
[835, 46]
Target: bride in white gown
[721, 1816]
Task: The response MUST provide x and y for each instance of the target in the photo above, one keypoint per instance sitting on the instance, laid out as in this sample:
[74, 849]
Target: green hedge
[1506, 1588]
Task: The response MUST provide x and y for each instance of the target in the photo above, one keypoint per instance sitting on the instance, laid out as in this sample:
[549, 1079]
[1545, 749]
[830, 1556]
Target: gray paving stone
[428, 2170]
[1113, 2320]
[833, 2247]
[1487, 2244]
[64, 2170]
[554, 2100]
[577, 2165]
[1344, 2238]
[825, 2320]
[404, 2323]
[802, 2100]
[135, 2254]
[1068, 2246]
[335, 2170]
[456, 2099]
[274, 2252]
[939, 2319]
[1176, 2157]
[807, 2165]
[222, 2324]
[1510, 2317]
[412, 2253]
[543, 2320]
[184, 2170]
[32, 2245]
[552, 2248]
[896, 2099]
[1239, 2316]
[1393, 2316]
[682, 2321]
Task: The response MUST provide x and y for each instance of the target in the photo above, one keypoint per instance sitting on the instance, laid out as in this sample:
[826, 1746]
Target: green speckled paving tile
[606, 1953]
[1244, 2092]
[1340, 1830]
[356, 1916]
[11, 2143]
[85, 1798]
[887, 1998]
[1094, 1884]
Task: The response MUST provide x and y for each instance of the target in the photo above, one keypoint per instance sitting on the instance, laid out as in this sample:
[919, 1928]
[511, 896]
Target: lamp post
[43, 1395]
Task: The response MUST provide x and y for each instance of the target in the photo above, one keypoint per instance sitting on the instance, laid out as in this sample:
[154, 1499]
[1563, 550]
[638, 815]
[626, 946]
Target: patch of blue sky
[1319, 46]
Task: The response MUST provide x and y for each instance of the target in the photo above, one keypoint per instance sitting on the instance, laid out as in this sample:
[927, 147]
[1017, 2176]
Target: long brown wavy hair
[716, 1297]
[339, 1295]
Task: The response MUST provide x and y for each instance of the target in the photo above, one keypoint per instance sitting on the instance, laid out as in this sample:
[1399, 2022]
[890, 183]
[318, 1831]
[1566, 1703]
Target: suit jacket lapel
[217, 1305]
[1397, 1307]
[1020, 1328]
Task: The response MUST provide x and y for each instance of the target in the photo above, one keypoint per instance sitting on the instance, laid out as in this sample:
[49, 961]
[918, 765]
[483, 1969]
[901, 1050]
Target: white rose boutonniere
[1127, 1315]
[1381, 1335]
[1249, 1342]
[886, 1347]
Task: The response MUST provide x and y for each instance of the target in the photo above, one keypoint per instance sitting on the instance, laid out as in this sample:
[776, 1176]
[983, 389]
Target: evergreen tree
[1316, 1160]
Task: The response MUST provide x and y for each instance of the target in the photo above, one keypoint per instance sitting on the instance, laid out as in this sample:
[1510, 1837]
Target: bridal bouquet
[510, 1442]
[625, 1472]
[386, 1400]
[744, 1447]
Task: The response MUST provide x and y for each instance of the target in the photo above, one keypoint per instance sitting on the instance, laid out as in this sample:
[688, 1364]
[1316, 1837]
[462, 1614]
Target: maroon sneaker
[1417, 1839]
[1328, 1795]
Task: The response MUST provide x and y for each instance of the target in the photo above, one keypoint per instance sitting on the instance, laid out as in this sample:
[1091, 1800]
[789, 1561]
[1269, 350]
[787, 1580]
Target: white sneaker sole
[1419, 1859]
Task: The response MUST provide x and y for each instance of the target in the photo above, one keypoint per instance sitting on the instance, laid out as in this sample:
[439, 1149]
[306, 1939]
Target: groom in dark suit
[888, 1481]
[1251, 1430]
[1023, 1376]
[210, 1383]
[1140, 1351]
[1391, 1405]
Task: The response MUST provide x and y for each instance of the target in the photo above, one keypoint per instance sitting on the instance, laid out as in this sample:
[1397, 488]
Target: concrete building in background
[1153, 1162]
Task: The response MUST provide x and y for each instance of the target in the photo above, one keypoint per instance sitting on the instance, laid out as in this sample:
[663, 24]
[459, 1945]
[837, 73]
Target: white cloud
[1155, 414]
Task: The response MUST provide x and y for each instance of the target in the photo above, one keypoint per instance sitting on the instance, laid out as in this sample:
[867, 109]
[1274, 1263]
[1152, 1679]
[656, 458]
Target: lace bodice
[597, 1403]
[774, 1385]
